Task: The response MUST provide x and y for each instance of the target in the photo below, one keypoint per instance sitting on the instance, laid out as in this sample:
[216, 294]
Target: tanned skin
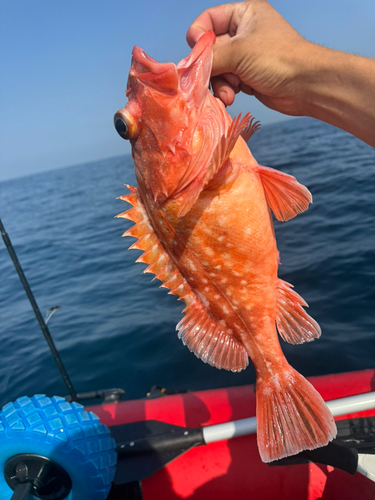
[259, 53]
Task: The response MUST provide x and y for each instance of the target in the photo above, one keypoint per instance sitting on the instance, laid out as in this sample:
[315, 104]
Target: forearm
[339, 89]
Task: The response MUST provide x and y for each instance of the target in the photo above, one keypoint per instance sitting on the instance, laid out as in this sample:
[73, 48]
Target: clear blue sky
[64, 65]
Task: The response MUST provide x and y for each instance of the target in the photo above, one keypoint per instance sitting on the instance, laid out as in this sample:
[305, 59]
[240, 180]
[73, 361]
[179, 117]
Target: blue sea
[116, 327]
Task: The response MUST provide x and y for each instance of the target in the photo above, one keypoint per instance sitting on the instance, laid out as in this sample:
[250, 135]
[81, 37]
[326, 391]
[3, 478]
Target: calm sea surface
[116, 328]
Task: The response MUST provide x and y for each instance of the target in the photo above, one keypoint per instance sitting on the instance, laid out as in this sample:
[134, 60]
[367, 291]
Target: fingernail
[223, 96]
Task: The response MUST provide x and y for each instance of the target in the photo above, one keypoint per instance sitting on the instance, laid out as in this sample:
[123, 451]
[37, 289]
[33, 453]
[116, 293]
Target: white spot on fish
[217, 267]
[220, 238]
[228, 292]
[205, 263]
[222, 322]
[209, 251]
[236, 273]
[216, 296]
[191, 265]
[243, 282]
[224, 280]
[248, 307]
[207, 289]
[225, 310]
[267, 391]
[203, 299]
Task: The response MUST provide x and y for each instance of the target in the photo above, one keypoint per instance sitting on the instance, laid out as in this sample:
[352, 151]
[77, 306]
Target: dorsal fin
[285, 195]
[221, 153]
[293, 323]
[206, 338]
[250, 129]
[210, 341]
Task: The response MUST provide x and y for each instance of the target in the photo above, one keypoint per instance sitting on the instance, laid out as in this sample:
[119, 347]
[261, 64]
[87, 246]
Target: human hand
[256, 52]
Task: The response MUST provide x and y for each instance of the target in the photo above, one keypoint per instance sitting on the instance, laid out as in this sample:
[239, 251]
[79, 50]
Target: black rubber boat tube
[38, 315]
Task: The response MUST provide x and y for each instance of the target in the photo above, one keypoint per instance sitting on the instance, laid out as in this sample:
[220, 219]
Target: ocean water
[116, 327]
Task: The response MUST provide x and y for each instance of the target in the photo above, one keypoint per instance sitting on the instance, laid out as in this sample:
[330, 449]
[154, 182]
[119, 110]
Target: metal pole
[38, 315]
[236, 428]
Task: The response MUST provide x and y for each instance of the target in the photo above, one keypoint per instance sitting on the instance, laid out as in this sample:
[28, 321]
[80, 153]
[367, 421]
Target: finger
[232, 79]
[223, 90]
[224, 58]
[216, 19]
[246, 89]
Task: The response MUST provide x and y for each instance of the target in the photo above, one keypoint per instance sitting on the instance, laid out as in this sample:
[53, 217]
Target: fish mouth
[143, 63]
[160, 76]
[201, 50]
[166, 77]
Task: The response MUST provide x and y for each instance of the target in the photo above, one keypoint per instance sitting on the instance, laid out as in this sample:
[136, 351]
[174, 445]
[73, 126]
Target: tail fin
[291, 416]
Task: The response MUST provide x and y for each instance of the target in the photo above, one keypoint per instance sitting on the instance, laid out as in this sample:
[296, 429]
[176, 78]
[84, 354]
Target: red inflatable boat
[231, 468]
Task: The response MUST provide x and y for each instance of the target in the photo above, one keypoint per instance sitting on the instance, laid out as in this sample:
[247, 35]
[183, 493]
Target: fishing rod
[39, 317]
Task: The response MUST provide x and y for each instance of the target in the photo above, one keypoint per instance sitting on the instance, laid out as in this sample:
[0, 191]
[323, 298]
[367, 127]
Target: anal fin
[285, 195]
[293, 323]
[205, 337]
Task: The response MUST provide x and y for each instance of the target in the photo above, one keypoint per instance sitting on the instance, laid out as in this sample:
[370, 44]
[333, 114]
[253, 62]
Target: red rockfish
[202, 210]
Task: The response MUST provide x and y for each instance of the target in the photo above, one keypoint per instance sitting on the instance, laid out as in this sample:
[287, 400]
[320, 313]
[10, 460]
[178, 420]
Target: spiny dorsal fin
[219, 157]
[293, 323]
[250, 129]
[285, 195]
[206, 338]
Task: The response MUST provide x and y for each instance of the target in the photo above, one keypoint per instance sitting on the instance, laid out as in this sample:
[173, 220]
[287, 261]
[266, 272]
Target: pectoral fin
[285, 195]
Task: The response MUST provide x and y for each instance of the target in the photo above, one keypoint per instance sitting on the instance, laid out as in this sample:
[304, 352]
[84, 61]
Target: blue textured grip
[65, 433]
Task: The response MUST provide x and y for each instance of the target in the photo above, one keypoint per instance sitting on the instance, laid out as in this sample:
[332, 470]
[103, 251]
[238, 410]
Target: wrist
[338, 88]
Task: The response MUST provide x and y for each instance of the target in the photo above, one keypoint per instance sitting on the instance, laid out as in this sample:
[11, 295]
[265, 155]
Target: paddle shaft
[338, 407]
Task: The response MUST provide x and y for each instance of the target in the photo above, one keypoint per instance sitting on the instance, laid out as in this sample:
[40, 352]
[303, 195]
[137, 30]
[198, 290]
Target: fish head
[164, 117]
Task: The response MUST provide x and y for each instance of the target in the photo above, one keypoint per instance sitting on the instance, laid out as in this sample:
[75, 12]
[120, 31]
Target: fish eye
[122, 128]
[126, 125]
